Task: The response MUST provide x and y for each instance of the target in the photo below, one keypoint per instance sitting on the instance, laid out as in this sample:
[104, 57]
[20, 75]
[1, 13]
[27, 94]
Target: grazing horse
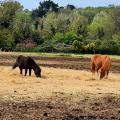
[102, 64]
[27, 63]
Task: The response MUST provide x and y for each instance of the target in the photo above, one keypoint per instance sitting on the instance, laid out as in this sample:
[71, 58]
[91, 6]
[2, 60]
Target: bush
[109, 47]
[47, 46]
[70, 37]
[58, 38]
[26, 46]
[6, 39]
[36, 37]
[61, 47]
[67, 38]
[78, 46]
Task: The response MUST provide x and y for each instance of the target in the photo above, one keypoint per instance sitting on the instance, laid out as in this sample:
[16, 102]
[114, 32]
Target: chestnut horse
[102, 64]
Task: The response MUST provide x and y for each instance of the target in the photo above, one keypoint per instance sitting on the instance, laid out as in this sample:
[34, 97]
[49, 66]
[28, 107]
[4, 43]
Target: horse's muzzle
[38, 75]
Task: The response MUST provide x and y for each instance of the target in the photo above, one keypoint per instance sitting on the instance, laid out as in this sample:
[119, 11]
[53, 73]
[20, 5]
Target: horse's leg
[98, 71]
[107, 74]
[29, 72]
[93, 70]
[20, 70]
[93, 74]
[25, 71]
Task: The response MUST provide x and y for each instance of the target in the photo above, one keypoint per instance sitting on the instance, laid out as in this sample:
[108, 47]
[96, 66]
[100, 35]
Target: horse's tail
[15, 65]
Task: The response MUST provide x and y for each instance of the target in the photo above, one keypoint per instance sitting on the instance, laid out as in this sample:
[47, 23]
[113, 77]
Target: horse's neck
[105, 64]
[34, 67]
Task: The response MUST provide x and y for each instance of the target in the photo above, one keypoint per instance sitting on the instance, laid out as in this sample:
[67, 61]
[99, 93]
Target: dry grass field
[61, 94]
[16, 87]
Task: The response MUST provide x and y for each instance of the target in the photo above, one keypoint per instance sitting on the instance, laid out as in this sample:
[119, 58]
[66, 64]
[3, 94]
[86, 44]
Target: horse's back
[25, 62]
[96, 59]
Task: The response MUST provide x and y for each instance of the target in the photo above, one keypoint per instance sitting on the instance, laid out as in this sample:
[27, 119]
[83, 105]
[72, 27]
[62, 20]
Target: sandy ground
[16, 87]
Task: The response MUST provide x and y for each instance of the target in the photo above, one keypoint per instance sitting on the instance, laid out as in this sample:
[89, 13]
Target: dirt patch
[7, 59]
[63, 108]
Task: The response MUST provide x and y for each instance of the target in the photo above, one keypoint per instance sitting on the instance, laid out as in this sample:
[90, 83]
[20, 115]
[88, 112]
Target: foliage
[6, 39]
[79, 25]
[36, 37]
[71, 7]
[78, 46]
[102, 26]
[58, 38]
[53, 28]
[109, 47]
[70, 37]
[43, 8]
[7, 12]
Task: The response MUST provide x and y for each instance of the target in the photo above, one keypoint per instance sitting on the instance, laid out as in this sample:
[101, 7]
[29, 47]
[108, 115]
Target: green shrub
[6, 39]
[70, 37]
[78, 46]
[47, 46]
[109, 47]
[58, 38]
[36, 37]
[61, 47]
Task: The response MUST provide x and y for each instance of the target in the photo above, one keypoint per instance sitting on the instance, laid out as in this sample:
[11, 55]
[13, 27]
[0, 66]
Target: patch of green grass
[67, 55]
[117, 57]
[49, 54]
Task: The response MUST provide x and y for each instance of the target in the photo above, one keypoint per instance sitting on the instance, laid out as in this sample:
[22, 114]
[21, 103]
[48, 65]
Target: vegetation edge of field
[65, 55]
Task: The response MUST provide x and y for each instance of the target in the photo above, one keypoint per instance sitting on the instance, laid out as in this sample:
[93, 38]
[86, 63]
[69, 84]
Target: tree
[62, 23]
[114, 12]
[100, 32]
[71, 7]
[6, 39]
[79, 25]
[8, 10]
[109, 47]
[22, 26]
[44, 8]
[116, 37]
[49, 23]
[89, 13]
[36, 24]
[69, 37]
[36, 37]
[102, 26]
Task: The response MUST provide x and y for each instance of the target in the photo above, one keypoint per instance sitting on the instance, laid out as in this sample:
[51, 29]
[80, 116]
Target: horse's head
[102, 73]
[37, 71]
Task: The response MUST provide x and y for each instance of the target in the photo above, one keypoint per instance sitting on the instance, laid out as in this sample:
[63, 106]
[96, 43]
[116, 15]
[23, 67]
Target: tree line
[54, 28]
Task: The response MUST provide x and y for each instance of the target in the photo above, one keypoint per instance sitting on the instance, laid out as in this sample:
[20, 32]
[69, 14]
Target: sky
[32, 4]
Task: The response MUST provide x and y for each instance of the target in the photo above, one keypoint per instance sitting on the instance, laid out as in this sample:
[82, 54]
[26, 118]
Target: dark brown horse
[27, 63]
[102, 64]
